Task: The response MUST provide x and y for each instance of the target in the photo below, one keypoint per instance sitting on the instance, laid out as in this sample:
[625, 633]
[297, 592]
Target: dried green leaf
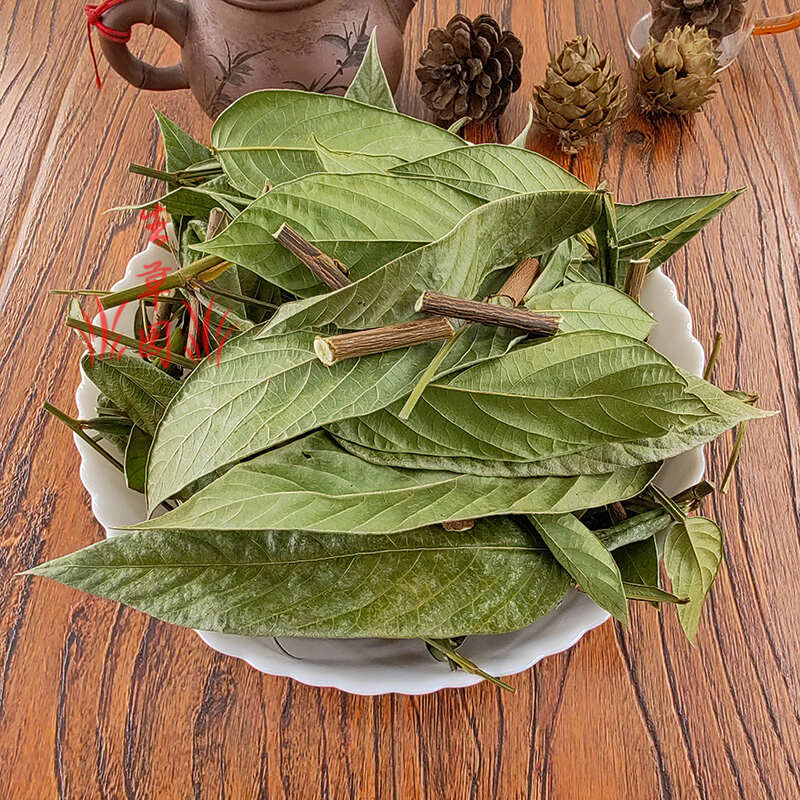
[428, 583]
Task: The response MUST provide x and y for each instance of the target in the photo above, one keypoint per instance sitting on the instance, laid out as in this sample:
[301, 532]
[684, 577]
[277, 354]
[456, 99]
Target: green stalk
[175, 280]
[76, 427]
[712, 359]
[737, 446]
[669, 505]
[129, 341]
[430, 372]
[466, 664]
[239, 298]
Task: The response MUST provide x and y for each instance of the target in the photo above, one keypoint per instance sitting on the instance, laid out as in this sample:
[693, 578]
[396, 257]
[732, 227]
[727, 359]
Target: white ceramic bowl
[377, 666]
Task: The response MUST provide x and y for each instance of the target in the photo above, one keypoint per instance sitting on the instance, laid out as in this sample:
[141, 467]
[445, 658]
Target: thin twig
[329, 270]
[714, 355]
[737, 446]
[76, 427]
[333, 349]
[532, 322]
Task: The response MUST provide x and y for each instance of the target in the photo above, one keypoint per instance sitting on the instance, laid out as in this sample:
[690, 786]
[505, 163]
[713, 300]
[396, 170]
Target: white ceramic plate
[377, 666]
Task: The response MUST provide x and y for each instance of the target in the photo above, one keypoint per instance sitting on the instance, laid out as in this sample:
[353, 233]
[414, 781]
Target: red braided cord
[94, 15]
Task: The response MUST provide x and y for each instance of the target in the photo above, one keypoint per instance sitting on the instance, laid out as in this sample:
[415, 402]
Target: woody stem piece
[634, 280]
[333, 349]
[532, 322]
[329, 270]
[513, 291]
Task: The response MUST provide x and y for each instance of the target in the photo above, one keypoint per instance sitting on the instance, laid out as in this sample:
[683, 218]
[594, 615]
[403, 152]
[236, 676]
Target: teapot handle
[169, 16]
[788, 22]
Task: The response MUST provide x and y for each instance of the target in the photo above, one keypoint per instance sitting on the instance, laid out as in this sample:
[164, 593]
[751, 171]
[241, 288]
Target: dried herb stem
[206, 268]
[333, 349]
[714, 355]
[196, 283]
[466, 664]
[515, 289]
[532, 322]
[78, 429]
[737, 447]
[518, 284]
[634, 280]
[329, 270]
[668, 504]
[459, 525]
[218, 220]
[129, 341]
[181, 177]
[430, 373]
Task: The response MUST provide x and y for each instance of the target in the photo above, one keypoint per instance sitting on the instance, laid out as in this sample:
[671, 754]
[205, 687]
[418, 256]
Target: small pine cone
[581, 95]
[679, 73]
[470, 69]
[719, 17]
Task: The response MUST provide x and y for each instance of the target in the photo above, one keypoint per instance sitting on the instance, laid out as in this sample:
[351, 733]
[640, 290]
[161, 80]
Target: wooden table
[101, 701]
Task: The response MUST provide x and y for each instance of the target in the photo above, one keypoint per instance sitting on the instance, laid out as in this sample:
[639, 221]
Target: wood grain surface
[97, 701]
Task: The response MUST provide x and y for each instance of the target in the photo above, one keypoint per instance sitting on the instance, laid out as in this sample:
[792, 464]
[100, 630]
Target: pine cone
[470, 69]
[678, 74]
[719, 17]
[581, 95]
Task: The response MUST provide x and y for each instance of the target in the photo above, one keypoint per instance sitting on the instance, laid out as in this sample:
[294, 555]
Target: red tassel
[94, 14]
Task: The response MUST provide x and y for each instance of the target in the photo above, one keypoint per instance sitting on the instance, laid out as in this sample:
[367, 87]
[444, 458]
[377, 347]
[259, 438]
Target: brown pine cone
[678, 74]
[719, 17]
[469, 69]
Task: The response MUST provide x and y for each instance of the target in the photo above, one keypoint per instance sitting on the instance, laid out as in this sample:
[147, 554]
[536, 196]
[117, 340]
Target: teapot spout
[401, 11]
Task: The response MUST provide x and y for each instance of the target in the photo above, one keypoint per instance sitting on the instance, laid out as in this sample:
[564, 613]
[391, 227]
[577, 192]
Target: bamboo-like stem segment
[513, 291]
[129, 341]
[634, 281]
[329, 270]
[208, 267]
[333, 349]
[533, 322]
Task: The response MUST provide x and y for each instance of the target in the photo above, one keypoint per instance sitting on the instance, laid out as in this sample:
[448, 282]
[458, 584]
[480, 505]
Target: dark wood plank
[98, 701]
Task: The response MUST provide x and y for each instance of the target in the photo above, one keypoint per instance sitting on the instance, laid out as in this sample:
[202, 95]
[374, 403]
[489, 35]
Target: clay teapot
[231, 47]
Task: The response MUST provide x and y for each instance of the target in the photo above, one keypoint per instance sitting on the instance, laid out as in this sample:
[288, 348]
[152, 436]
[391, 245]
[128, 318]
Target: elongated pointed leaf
[541, 402]
[136, 452]
[182, 150]
[134, 385]
[586, 559]
[640, 226]
[313, 485]
[639, 563]
[521, 139]
[434, 437]
[270, 387]
[650, 593]
[268, 136]
[692, 555]
[492, 171]
[365, 221]
[370, 85]
[592, 306]
[427, 583]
